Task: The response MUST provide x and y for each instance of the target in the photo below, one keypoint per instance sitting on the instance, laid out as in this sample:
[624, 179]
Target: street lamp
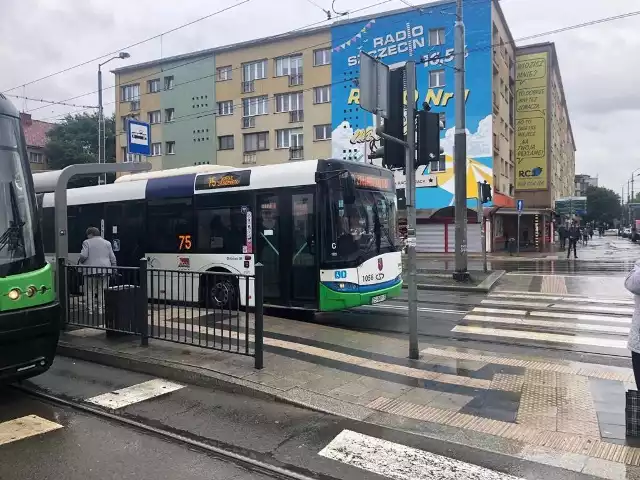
[101, 124]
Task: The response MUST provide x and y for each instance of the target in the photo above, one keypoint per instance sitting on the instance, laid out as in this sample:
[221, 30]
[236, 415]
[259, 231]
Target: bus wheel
[224, 293]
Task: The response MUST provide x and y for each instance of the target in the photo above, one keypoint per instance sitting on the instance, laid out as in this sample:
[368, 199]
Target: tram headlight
[14, 294]
[31, 291]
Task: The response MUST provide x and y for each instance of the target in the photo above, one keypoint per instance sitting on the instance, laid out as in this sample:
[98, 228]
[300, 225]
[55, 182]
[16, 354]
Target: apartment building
[545, 146]
[35, 135]
[582, 182]
[296, 95]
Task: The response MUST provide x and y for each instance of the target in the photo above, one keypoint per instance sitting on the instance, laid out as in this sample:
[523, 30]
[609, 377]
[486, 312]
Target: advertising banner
[531, 122]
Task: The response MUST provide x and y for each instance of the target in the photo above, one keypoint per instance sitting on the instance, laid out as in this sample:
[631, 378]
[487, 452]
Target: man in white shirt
[98, 253]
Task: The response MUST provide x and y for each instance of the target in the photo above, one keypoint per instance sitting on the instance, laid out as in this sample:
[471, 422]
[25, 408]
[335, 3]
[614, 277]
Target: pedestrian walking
[590, 232]
[562, 235]
[585, 236]
[573, 235]
[97, 256]
[632, 283]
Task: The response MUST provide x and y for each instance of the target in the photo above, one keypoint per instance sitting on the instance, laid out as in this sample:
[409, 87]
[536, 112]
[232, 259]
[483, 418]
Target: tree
[75, 140]
[603, 205]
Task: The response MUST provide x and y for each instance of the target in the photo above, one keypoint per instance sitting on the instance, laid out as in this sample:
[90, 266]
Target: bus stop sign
[138, 138]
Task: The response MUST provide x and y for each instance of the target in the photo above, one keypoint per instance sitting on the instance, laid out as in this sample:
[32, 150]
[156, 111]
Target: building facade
[35, 135]
[296, 95]
[582, 182]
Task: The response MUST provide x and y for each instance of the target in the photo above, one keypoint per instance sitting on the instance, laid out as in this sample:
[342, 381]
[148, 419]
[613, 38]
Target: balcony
[248, 122]
[296, 116]
[296, 153]
[249, 158]
[134, 106]
[496, 103]
[249, 87]
[496, 143]
[295, 80]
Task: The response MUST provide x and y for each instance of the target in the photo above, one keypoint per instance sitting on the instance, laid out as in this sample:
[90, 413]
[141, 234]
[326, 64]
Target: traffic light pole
[410, 193]
[460, 152]
[483, 230]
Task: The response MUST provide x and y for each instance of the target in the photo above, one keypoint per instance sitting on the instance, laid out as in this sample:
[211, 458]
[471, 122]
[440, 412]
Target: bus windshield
[360, 230]
[17, 242]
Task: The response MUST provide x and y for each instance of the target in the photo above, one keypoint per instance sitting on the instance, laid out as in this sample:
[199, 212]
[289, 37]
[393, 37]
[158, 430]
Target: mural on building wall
[406, 36]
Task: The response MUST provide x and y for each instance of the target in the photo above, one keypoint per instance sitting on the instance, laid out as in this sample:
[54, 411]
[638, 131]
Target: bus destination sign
[373, 182]
[215, 181]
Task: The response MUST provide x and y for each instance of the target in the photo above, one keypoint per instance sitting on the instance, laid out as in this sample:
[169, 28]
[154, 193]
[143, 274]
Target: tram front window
[17, 243]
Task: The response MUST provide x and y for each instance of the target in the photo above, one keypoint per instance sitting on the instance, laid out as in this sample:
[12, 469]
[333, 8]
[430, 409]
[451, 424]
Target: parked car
[626, 232]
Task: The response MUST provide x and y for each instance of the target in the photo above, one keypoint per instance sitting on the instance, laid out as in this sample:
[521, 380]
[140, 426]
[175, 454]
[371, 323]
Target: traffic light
[428, 146]
[392, 153]
[485, 190]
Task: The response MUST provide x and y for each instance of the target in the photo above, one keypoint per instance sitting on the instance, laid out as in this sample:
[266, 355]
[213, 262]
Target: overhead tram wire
[52, 102]
[321, 44]
[87, 62]
[382, 2]
[541, 34]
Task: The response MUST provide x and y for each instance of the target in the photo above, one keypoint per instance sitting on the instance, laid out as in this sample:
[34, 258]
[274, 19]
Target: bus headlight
[14, 294]
[31, 291]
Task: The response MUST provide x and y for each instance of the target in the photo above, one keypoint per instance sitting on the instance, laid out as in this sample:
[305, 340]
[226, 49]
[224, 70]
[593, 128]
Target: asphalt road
[86, 447]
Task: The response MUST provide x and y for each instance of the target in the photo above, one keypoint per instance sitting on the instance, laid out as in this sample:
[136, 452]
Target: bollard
[143, 305]
[259, 317]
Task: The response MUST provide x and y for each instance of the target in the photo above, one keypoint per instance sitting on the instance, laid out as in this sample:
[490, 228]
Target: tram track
[224, 452]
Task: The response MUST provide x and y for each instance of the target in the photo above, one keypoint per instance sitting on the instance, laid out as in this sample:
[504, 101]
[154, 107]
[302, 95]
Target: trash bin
[121, 309]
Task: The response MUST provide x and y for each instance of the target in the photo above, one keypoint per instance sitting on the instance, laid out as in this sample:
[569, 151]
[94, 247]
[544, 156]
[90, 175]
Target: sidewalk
[560, 413]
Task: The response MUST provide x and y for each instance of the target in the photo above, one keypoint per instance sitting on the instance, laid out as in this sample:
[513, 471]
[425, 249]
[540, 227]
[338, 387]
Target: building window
[254, 71]
[289, 137]
[226, 142]
[289, 66]
[322, 94]
[125, 121]
[225, 108]
[436, 78]
[322, 57]
[36, 157]
[436, 37]
[170, 148]
[169, 115]
[224, 73]
[130, 157]
[130, 93]
[156, 149]
[154, 117]
[255, 106]
[168, 83]
[439, 165]
[153, 86]
[289, 102]
[322, 132]
[254, 142]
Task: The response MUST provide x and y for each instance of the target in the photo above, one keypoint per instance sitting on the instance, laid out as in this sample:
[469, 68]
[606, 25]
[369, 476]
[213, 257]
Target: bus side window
[170, 224]
[221, 230]
[48, 229]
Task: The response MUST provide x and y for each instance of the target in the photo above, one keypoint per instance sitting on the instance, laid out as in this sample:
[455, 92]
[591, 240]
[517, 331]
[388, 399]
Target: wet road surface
[85, 446]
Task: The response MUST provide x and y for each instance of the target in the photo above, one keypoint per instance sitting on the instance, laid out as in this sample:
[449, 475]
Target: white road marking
[400, 462]
[593, 308]
[25, 427]
[564, 298]
[515, 303]
[498, 310]
[135, 394]
[545, 337]
[528, 322]
[584, 317]
[388, 306]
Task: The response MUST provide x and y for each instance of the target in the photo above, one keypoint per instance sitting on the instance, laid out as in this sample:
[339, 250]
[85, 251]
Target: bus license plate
[378, 299]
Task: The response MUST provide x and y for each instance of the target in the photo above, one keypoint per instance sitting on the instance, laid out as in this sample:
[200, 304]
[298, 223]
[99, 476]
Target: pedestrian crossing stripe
[400, 462]
[25, 427]
[560, 306]
[135, 394]
[527, 322]
[563, 298]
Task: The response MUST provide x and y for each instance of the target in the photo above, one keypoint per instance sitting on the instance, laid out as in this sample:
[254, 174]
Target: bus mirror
[349, 189]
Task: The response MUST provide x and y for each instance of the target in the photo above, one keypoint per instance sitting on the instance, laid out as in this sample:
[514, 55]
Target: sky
[41, 37]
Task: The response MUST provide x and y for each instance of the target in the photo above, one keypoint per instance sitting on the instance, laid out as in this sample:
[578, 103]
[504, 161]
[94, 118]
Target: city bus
[29, 312]
[325, 230]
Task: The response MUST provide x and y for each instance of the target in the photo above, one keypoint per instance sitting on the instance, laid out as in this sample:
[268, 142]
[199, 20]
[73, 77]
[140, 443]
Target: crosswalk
[567, 322]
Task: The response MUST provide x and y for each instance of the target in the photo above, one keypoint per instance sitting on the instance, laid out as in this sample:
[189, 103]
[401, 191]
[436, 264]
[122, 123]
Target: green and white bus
[29, 312]
[325, 230]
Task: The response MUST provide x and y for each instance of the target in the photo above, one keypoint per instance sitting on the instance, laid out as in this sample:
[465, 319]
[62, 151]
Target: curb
[484, 287]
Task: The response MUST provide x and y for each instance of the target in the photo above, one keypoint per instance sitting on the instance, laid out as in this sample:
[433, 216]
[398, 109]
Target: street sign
[138, 138]
[374, 85]
[520, 205]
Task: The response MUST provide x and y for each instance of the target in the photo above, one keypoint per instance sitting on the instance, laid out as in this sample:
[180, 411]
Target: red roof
[35, 131]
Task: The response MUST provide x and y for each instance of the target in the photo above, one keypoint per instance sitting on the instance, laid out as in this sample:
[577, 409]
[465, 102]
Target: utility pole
[460, 151]
[410, 191]
[100, 123]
